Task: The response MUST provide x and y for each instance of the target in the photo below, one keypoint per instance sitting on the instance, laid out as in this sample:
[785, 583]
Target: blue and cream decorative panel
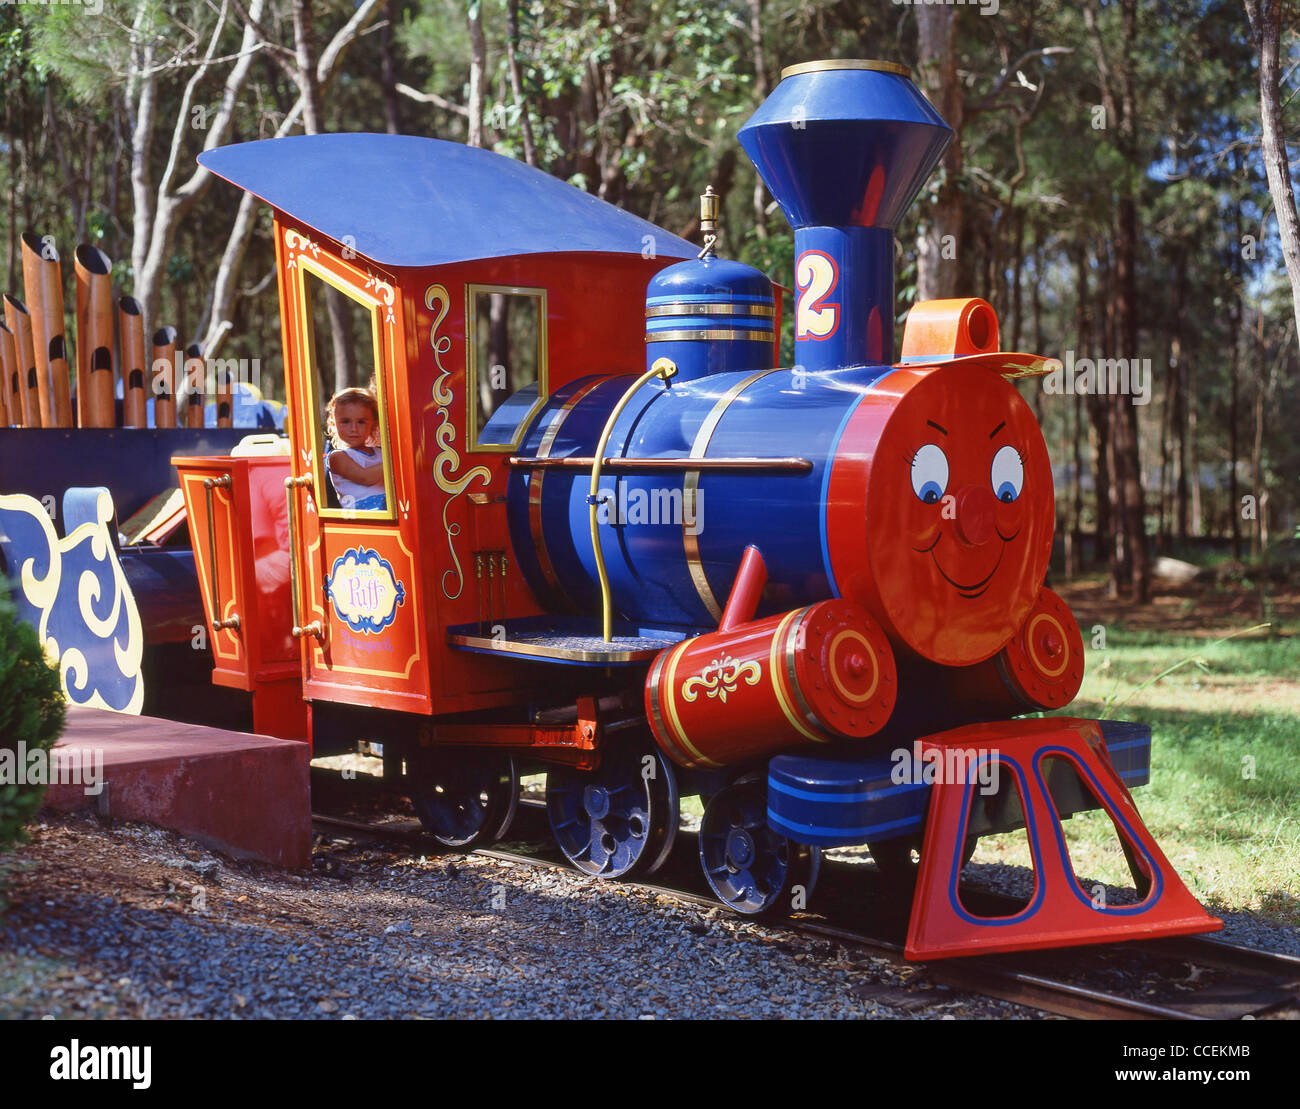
[74, 593]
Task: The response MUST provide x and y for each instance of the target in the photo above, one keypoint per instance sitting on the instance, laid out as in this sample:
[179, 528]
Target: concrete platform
[247, 795]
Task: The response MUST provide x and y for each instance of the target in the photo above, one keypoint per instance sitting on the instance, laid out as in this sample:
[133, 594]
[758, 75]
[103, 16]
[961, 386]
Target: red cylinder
[1041, 667]
[815, 674]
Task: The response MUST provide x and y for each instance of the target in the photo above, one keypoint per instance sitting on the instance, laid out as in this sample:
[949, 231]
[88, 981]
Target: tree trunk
[158, 210]
[1257, 449]
[1234, 365]
[516, 81]
[477, 70]
[304, 43]
[217, 322]
[940, 237]
[1266, 25]
[1166, 429]
[1074, 549]
[761, 89]
[13, 192]
[343, 338]
[1133, 568]
[1013, 301]
[388, 74]
[1197, 522]
[141, 102]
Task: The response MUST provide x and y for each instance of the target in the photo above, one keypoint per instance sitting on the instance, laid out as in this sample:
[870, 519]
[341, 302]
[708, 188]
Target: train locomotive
[616, 542]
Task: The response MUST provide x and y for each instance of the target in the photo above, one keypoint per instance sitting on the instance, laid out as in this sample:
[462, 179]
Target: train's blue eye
[1007, 474]
[930, 473]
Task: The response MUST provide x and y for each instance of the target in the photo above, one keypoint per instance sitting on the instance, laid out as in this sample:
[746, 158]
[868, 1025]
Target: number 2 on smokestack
[816, 275]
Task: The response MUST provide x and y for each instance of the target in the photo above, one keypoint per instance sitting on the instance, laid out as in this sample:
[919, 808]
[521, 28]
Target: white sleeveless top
[352, 493]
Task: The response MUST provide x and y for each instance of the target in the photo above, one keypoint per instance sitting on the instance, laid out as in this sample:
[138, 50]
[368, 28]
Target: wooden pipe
[43, 282]
[224, 393]
[135, 392]
[19, 321]
[195, 371]
[164, 377]
[96, 386]
[9, 416]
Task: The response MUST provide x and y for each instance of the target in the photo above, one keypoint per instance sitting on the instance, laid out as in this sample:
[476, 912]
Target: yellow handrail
[300, 630]
[209, 485]
[663, 368]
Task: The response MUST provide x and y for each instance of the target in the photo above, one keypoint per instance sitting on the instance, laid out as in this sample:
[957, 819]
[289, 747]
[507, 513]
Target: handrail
[673, 465]
[218, 623]
[300, 630]
[663, 368]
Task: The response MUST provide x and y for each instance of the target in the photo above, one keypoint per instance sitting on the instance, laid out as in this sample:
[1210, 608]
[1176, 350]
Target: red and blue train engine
[619, 544]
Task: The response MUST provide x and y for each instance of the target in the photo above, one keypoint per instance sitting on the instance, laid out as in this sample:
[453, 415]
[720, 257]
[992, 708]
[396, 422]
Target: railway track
[1178, 979]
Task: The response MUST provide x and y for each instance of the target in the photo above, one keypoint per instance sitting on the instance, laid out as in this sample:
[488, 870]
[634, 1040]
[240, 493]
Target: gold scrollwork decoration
[438, 301]
[720, 677]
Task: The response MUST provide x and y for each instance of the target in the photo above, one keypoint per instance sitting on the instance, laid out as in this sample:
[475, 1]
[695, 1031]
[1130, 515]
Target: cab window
[506, 379]
[353, 472]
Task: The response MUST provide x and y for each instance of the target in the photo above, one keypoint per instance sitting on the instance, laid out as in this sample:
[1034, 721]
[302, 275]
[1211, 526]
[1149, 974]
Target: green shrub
[32, 712]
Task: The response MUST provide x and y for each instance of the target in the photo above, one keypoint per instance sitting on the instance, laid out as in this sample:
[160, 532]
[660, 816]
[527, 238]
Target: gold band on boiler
[535, 485]
[791, 657]
[712, 308]
[707, 336]
[777, 669]
[676, 731]
[690, 490]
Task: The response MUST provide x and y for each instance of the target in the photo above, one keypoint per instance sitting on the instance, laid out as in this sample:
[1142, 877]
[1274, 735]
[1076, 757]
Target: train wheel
[748, 866]
[899, 860]
[465, 799]
[618, 820]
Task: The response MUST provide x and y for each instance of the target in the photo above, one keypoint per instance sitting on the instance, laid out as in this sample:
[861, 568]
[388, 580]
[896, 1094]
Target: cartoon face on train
[958, 510]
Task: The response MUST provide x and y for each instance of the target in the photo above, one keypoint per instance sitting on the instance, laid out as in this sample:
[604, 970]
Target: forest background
[1120, 187]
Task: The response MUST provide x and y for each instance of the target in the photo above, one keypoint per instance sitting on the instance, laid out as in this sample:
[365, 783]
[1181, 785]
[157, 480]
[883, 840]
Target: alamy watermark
[920, 765]
[94, 7]
[194, 375]
[653, 506]
[102, 1062]
[986, 7]
[72, 766]
[1125, 377]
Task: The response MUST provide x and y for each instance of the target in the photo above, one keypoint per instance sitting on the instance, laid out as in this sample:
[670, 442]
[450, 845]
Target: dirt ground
[1202, 609]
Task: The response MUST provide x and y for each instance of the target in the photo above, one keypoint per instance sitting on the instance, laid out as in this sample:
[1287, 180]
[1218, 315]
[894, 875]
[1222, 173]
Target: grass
[1224, 797]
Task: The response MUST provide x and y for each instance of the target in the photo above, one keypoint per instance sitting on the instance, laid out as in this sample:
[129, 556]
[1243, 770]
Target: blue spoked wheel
[751, 868]
[618, 820]
[464, 798]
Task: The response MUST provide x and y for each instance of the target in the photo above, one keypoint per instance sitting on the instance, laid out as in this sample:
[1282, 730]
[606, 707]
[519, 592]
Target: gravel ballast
[132, 921]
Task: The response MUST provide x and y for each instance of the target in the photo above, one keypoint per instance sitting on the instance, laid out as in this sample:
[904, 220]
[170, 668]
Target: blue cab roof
[409, 201]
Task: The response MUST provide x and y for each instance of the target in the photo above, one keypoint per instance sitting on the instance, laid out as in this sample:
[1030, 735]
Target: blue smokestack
[844, 147]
